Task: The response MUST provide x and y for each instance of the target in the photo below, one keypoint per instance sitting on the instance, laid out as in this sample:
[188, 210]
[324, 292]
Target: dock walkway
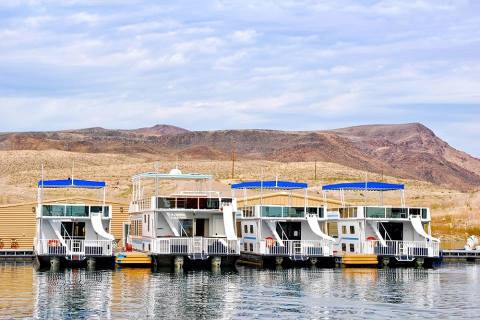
[461, 254]
[16, 254]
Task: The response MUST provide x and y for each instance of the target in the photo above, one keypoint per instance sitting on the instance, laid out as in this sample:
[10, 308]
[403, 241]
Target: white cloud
[235, 64]
[244, 36]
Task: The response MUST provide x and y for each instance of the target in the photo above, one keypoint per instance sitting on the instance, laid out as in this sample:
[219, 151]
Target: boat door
[291, 231]
[75, 233]
[392, 230]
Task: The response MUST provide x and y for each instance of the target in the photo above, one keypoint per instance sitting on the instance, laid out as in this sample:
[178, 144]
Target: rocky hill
[405, 150]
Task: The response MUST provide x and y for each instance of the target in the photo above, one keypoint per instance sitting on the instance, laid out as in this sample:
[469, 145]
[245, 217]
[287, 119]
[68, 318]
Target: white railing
[291, 248]
[195, 246]
[403, 248]
[74, 247]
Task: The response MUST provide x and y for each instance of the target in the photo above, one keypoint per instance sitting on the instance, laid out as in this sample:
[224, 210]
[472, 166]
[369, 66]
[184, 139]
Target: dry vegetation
[455, 213]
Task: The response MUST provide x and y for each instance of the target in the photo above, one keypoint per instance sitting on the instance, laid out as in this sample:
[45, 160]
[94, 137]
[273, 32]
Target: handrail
[399, 248]
[73, 247]
[320, 248]
[195, 246]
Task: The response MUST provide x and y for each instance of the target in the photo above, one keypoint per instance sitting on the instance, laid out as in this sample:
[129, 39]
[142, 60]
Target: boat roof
[72, 183]
[173, 176]
[270, 184]
[365, 185]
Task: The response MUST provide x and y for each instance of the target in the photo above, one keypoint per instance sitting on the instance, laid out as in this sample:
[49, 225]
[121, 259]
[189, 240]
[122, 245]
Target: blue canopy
[69, 183]
[270, 184]
[369, 186]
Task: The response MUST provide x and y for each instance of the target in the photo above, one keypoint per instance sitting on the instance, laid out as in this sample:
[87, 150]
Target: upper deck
[281, 212]
[181, 202]
[379, 213]
[72, 210]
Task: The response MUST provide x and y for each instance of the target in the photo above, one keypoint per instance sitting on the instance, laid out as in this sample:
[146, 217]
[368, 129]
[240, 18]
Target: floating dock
[17, 254]
[352, 260]
[461, 254]
[133, 259]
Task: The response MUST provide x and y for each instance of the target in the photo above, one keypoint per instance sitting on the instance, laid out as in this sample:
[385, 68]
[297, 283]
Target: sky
[204, 65]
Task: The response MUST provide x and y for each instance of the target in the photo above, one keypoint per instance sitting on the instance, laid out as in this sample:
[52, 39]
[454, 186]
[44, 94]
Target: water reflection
[451, 291]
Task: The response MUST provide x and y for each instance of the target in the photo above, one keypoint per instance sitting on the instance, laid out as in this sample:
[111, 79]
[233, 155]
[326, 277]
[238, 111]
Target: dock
[133, 259]
[461, 254]
[352, 259]
[16, 254]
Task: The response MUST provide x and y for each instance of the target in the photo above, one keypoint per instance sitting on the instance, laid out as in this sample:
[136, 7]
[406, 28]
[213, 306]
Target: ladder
[197, 249]
[297, 254]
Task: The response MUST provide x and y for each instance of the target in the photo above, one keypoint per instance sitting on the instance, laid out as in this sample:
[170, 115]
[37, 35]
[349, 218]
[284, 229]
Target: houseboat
[72, 232]
[395, 234]
[274, 234]
[190, 228]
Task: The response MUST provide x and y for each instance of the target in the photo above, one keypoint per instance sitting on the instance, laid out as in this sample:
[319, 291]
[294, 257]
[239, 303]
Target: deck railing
[196, 246]
[74, 247]
[292, 248]
[403, 248]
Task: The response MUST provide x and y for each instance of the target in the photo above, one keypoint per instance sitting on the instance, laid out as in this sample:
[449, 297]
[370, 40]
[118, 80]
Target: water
[450, 291]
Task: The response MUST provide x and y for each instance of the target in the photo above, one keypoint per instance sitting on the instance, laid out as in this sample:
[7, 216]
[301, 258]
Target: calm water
[450, 291]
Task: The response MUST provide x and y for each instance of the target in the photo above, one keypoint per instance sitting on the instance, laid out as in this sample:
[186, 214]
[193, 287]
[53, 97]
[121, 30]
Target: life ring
[371, 238]
[270, 242]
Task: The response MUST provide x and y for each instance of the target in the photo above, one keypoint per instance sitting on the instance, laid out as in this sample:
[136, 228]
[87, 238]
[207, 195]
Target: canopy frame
[365, 186]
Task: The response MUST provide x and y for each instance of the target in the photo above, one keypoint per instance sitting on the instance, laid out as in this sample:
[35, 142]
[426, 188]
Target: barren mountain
[405, 150]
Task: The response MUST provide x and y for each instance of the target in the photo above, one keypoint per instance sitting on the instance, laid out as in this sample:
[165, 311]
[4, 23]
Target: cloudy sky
[295, 65]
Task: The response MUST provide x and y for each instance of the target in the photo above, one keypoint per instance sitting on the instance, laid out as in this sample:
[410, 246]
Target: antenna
[233, 159]
[73, 167]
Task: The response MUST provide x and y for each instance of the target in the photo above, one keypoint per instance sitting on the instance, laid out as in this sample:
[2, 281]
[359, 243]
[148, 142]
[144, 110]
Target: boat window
[320, 212]
[352, 229]
[213, 203]
[166, 203]
[352, 247]
[53, 210]
[191, 203]
[251, 228]
[332, 227]
[398, 213]
[375, 212]
[77, 211]
[424, 213]
[271, 211]
[344, 229]
[226, 201]
[415, 211]
[181, 203]
[293, 212]
[349, 212]
[106, 211]
[344, 247]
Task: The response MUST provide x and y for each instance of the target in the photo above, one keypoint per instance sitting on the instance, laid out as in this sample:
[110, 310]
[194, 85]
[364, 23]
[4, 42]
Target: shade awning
[72, 183]
[270, 184]
[368, 186]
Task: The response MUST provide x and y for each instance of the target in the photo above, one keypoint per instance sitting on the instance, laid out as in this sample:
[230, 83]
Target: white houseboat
[73, 232]
[278, 234]
[187, 227]
[396, 234]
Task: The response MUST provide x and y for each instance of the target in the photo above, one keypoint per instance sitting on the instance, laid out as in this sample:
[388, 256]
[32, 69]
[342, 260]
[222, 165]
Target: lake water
[452, 290]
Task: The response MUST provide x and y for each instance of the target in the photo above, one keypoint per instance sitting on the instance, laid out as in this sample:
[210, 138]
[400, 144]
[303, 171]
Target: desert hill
[405, 150]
